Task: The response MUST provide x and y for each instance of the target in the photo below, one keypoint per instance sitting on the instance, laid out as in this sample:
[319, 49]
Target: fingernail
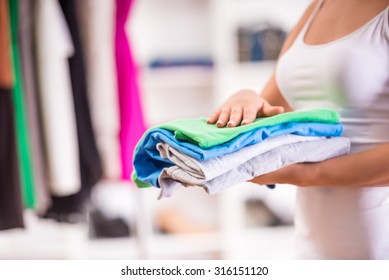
[230, 123]
[244, 122]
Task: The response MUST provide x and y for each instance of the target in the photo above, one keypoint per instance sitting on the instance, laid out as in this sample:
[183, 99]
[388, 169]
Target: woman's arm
[245, 106]
[368, 168]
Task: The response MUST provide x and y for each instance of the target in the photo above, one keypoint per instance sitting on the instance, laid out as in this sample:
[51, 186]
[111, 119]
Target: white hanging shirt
[97, 26]
[54, 47]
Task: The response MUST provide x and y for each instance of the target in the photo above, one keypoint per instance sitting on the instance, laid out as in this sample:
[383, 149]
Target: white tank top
[350, 75]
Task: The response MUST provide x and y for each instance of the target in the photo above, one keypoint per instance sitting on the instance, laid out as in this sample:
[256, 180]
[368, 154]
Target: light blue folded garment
[148, 164]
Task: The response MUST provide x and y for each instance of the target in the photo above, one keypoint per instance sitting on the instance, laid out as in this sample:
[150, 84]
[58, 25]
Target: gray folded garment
[261, 163]
[195, 172]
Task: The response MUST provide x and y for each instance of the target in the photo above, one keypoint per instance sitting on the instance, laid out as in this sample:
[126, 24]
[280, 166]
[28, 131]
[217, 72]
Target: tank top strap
[386, 12]
[303, 31]
[380, 23]
[386, 23]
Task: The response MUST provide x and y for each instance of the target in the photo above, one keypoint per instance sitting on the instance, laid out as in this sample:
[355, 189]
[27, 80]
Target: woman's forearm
[368, 168]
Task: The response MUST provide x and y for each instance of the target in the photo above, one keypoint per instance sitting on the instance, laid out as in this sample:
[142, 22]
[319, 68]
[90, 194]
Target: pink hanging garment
[131, 118]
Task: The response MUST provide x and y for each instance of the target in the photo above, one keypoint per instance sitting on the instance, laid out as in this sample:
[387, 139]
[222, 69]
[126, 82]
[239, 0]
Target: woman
[337, 57]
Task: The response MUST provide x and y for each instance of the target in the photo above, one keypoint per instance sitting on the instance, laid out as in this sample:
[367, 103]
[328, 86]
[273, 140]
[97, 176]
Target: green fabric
[24, 153]
[138, 183]
[205, 135]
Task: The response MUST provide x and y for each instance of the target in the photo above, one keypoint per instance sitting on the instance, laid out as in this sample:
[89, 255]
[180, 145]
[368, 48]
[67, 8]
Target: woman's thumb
[268, 110]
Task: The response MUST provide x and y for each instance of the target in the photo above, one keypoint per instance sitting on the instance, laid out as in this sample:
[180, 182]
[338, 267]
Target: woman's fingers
[223, 117]
[214, 117]
[226, 116]
[249, 115]
[243, 108]
[235, 117]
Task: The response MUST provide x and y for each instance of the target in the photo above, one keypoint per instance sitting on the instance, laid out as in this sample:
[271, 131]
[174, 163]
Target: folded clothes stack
[190, 152]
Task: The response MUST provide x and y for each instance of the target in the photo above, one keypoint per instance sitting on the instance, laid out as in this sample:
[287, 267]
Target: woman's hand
[243, 108]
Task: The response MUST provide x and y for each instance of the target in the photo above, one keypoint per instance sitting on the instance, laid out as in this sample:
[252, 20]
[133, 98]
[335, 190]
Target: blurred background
[86, 78]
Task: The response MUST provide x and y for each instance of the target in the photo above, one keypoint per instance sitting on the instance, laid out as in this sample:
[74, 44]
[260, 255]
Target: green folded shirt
[205, 135]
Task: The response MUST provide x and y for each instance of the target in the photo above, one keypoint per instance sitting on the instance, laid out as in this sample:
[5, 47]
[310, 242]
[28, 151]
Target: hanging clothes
[25, 33]
[54, 47]
[22, 130]
[96, 18]
[11, 208]
[90, 163]
[132, 125]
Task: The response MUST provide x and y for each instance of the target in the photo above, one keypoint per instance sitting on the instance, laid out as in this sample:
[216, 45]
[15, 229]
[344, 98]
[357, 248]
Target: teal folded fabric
[198, 132]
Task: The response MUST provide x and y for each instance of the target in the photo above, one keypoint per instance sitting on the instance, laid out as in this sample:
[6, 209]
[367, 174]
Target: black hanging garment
[63, 208]
[11, 208]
